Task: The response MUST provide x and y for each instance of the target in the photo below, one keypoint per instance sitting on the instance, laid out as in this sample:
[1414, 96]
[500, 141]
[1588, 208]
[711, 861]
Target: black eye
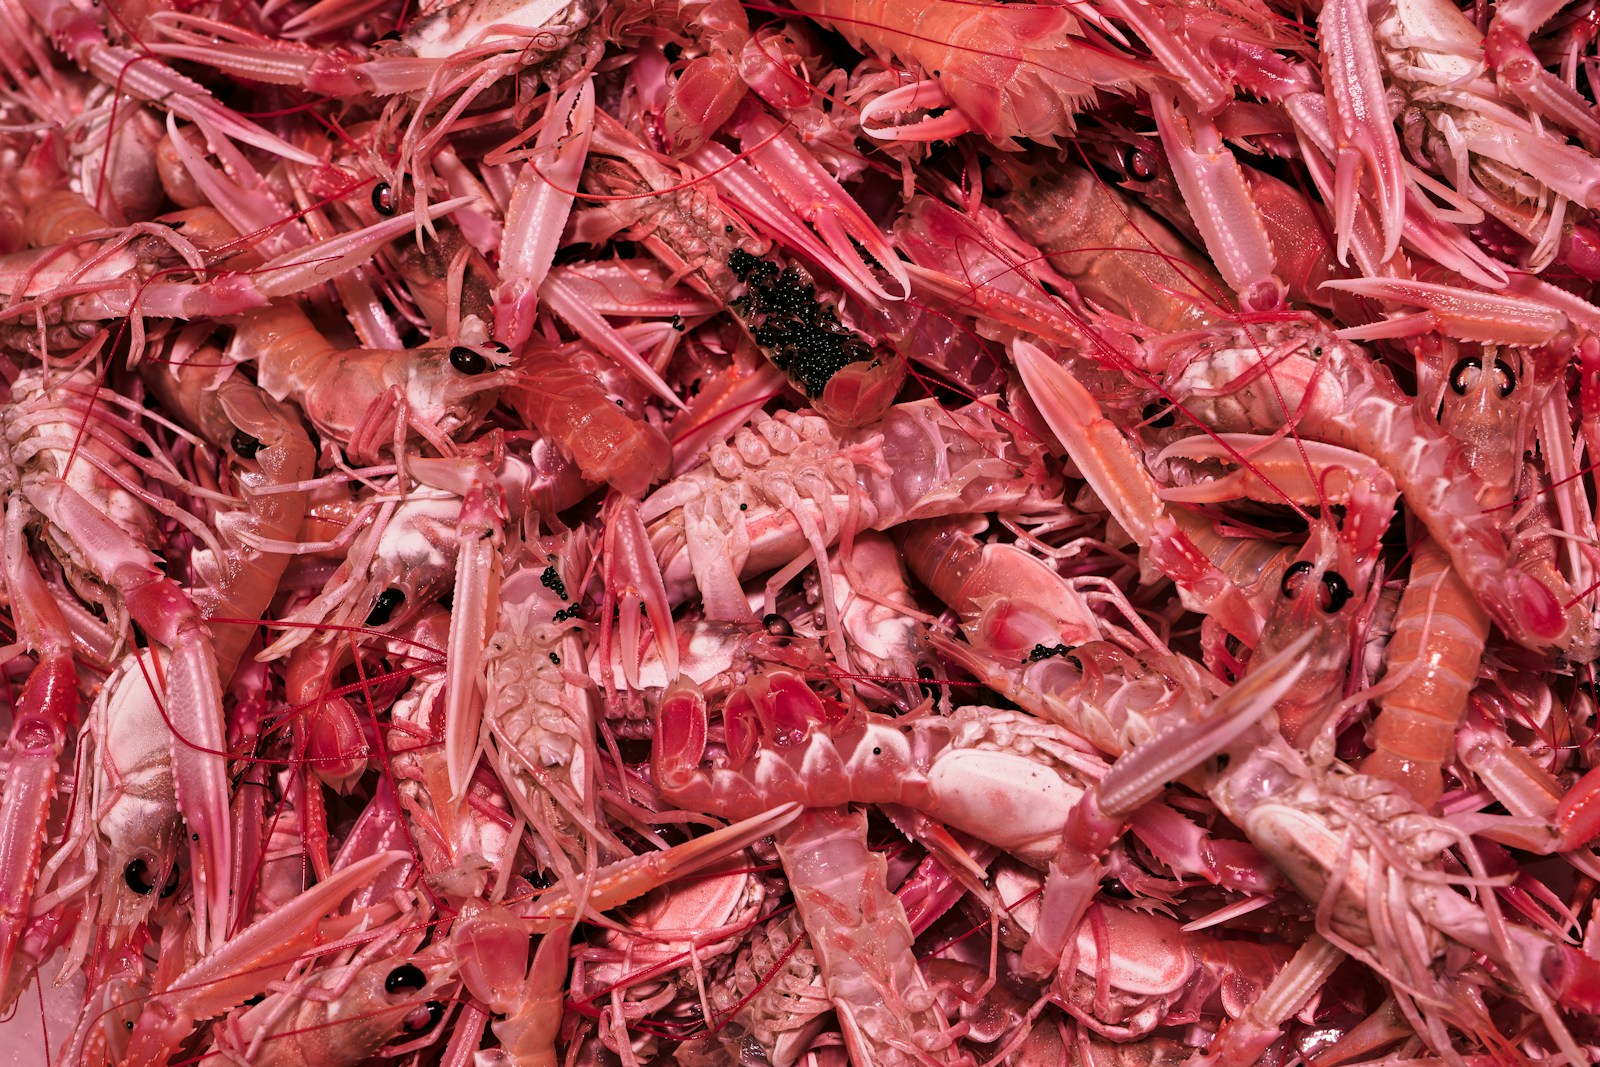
[384, 201]
[1140, 165]
[467, 361]
[1337, 590]
[137, 875]
[383, 608]
[1114, 889]
[416, 1024]
[777, 625]
[172, 885]
[1158, 415]
[1289, 586]
[406, 978]
[1458, 373]
[244, 445]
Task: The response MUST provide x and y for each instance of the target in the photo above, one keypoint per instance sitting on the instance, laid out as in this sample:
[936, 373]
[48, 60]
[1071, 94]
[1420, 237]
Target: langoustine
[434, 508]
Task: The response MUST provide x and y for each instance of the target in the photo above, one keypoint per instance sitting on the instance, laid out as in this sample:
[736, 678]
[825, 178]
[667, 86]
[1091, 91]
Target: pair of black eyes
[1460, 381]
[408, 978]
[383, 608]
[1335, 590]
[137, 876]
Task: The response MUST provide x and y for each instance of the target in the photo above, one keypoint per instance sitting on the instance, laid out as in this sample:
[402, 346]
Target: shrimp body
[1433, 660]
[446, 391]
[1115, 252]
[773, 992]
[1013, 70]
[244, 964]
[524, 657]
[116, 568]
[58, 428]
[541, 724]
[135, 799]
[1440, 629]
[461, 845]
[564, 400]
[1322, 592]
[269, 449]
[1337, 394]
[406, 558]
[340, 1017]
[790, 482]
[1004, 778]
[863, 943]
[397, 566]
[1363, 853]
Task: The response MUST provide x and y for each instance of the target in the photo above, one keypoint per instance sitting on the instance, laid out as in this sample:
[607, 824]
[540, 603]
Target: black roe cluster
[802, 334]
[551, 580]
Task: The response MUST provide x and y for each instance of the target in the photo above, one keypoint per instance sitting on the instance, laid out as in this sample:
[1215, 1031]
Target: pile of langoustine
[675, 532]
